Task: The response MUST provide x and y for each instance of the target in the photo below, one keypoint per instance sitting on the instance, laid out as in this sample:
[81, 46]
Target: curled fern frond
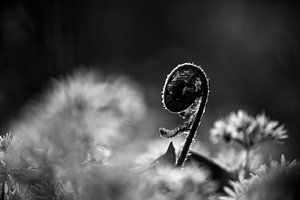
[185, 93]
[183, 88]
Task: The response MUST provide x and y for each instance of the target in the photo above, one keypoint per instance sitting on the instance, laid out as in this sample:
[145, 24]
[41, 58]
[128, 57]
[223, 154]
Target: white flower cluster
[278, 180]
[247, 130]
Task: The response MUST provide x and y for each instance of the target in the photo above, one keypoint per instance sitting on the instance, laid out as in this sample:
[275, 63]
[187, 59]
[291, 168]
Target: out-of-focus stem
[246, 168]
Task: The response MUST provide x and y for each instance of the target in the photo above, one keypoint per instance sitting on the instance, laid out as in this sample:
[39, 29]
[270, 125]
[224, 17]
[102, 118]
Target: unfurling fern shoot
[185, 93]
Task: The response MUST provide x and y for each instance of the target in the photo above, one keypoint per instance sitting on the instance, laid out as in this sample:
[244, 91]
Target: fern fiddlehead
[185, 93]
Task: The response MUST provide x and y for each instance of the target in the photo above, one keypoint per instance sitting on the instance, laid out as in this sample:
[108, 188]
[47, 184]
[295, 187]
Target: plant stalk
[189, 139]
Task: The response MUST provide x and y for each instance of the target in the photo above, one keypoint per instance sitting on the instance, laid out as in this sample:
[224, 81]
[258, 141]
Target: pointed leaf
[168, 158]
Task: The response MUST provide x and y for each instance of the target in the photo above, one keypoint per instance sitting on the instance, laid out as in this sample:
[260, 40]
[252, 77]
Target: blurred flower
[82, 114]
[274, 182]
[234, 160]
[93, 182]
[65, 141]
[166, 183]
[246, 130]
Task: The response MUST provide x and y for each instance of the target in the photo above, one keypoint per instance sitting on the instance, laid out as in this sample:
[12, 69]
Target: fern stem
[192, 133]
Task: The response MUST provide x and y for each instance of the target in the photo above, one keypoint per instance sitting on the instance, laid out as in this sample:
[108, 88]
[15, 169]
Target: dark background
[249, 49]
